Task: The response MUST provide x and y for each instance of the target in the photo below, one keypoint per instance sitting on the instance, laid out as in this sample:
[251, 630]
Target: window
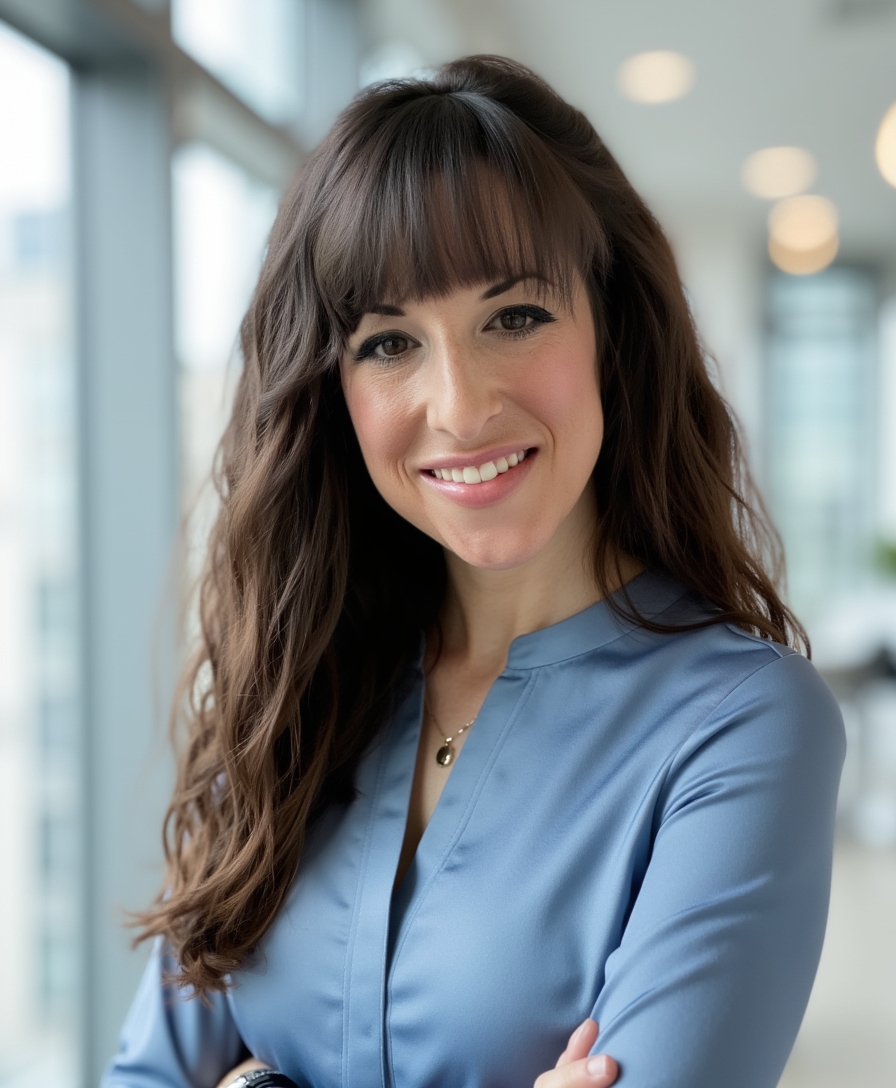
[92, 471]
[253, 46]
[39, 811]
[222, 217]
[821, 431]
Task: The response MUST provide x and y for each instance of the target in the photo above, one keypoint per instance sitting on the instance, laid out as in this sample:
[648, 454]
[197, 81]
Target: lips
[490, 489]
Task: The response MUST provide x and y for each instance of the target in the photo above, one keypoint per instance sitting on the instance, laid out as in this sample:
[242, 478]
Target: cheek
[564, 392]
[382, 423]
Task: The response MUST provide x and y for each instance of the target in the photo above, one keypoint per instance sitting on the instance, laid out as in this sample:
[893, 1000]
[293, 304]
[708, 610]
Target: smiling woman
[497, 724]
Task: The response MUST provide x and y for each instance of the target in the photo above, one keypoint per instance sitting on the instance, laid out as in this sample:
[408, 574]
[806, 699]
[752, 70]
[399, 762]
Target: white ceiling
[815, 73]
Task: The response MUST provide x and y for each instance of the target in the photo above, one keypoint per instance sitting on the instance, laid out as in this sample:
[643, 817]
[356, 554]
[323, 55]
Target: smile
[472, 474]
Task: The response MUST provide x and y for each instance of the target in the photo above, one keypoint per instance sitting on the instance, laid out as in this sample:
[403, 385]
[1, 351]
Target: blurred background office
[144, 146]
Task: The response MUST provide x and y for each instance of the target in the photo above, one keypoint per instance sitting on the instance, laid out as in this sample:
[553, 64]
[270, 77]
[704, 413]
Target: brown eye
[394, 345]
[513, 320]
[522, 320]
[384, 346]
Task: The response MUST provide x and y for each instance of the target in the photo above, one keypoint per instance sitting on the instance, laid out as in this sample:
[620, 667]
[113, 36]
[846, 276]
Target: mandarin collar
[593, 627]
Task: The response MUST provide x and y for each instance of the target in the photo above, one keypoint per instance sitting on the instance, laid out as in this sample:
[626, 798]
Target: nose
[461, 394]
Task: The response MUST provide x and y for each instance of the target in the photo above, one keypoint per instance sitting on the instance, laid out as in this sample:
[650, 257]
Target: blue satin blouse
[638, 828]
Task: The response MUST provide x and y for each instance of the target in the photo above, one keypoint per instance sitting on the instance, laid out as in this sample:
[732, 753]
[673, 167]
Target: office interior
[144, 146]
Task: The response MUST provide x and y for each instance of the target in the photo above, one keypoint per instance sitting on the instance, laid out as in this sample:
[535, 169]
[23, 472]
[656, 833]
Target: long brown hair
[315, 593]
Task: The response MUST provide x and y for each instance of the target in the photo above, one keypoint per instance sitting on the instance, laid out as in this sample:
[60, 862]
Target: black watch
[262, 1078]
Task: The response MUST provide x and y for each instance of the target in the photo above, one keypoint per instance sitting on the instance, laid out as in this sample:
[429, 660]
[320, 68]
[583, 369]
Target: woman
[497, 726]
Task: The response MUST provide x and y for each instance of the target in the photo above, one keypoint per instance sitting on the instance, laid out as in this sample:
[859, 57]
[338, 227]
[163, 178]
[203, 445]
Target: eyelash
[539, 316]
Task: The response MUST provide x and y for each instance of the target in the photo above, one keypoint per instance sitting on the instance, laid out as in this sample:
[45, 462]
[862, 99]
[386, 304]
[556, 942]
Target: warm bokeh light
[803, 262]
[659, 76]
[803, 234]
[885, 146]
[776, 172]
[803, 223]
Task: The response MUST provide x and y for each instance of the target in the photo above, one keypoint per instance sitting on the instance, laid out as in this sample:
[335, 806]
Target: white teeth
[472, 475]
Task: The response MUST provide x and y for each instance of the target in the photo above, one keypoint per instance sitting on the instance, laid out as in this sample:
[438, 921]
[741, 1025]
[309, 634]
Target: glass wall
[39, 812]
[111, 407]
[821, 426]
[829, 446]
[222, 217]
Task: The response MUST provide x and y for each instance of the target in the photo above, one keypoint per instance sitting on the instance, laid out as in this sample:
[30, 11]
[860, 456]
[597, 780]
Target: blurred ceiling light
[803, 234]
[803, 262]
[776, 172]
[659, 76]
[803, 223]
[885, 145]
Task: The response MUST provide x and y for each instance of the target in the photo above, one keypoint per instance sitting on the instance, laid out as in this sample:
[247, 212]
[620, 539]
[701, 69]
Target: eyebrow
[498, 289]
[386, 311]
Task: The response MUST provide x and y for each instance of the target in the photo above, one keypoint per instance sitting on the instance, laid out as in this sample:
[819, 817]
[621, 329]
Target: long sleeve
[171, 1039]
[638, 827]
[710, 981]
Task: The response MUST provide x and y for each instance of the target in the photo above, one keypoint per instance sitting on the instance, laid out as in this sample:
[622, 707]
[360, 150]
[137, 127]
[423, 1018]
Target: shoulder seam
[721, 703]
[776, 647]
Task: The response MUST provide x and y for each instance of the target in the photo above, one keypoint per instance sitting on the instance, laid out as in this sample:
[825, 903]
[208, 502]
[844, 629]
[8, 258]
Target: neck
[485, 610]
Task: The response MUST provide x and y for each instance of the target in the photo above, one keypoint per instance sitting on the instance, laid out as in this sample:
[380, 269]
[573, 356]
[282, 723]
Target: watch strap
[263, 1078]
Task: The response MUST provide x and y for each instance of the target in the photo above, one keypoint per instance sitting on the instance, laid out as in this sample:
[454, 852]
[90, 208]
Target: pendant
[445, 755]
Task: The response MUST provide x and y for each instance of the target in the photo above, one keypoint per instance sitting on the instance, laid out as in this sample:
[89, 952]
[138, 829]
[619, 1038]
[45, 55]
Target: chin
[492, 551]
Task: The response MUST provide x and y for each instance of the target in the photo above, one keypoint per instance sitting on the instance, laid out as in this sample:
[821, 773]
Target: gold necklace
[445, 755]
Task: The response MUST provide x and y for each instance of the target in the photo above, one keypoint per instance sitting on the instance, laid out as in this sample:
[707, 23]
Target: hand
[572, 1068]
[244, 1067]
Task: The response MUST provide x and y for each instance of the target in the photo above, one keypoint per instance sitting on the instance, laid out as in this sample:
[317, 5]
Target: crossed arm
[574, 1068]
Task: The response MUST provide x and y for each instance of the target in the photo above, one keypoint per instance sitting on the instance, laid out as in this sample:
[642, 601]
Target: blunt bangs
[447, 190]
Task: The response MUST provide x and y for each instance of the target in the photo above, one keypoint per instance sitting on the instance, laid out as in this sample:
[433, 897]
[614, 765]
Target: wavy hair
[314, 592]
